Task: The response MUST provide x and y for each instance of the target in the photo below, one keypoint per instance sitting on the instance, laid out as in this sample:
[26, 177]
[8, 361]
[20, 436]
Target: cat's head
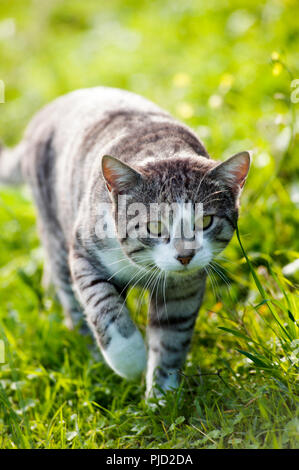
[175, 214]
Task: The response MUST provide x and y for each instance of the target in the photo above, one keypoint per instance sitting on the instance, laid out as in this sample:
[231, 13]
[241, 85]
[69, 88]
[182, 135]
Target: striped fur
[162, 161]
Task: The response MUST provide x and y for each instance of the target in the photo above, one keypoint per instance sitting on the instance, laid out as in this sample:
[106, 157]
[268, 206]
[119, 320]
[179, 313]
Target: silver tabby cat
[84, 151]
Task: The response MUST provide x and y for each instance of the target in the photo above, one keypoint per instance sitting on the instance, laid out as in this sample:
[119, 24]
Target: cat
[85, 151]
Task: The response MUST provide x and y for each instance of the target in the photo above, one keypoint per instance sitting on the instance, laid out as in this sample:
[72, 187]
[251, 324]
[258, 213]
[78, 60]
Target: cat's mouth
[186, 270]
[170, 266]
[180, 271]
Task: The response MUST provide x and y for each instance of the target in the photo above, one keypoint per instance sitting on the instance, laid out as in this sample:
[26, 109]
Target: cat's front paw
[126, 356]
[161, 382]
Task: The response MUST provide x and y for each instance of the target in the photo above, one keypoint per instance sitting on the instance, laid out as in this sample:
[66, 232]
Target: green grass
[226, 70]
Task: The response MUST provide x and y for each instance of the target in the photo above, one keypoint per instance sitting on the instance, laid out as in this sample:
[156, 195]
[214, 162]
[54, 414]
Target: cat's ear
[234, 170]
[119, 176]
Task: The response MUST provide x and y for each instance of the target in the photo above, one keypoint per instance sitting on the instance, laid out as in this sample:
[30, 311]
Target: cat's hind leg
[56, 272]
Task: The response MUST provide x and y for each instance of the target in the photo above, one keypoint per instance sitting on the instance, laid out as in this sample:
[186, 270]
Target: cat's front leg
[170, 331]
[120, 341]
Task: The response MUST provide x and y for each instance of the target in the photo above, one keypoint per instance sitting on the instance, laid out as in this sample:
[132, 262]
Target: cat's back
[76, 127]
[71, 129]
[84, 121]
[84, 107]
[84, 117]
[66, 139]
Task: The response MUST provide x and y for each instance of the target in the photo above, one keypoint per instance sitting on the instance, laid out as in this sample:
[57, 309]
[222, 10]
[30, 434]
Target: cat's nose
[185, 259]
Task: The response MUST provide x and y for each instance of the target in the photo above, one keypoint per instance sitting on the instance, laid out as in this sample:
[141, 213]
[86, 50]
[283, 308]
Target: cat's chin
[184, 271]
[187, 271]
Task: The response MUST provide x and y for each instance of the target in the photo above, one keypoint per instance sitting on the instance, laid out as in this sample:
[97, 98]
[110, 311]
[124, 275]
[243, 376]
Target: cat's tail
[10, 164]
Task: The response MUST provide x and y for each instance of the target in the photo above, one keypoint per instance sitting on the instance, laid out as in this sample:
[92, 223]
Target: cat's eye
[155, 228]
[203, 223]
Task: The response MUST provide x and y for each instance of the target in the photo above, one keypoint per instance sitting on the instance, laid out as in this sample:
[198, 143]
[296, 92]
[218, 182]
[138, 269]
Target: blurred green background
[225, 68]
